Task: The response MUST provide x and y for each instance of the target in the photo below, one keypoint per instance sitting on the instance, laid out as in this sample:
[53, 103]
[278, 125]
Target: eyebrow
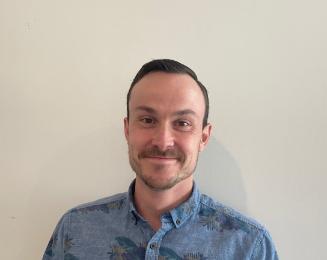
[146, 109]
[177, 113]
[185, 112]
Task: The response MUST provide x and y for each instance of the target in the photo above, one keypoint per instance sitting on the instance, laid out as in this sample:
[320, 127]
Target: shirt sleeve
[264, 248]
[56, 247]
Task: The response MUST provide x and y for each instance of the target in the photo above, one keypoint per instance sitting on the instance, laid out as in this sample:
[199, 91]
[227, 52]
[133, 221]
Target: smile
[158, 159]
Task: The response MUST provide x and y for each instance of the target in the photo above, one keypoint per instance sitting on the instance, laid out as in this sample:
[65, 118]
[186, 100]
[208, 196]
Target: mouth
[161, 159]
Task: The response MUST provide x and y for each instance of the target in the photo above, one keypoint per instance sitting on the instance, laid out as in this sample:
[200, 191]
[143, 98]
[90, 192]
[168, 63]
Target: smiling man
[163, 215]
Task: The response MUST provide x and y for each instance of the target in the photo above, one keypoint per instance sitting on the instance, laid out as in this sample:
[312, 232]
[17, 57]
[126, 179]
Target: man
[163, 215]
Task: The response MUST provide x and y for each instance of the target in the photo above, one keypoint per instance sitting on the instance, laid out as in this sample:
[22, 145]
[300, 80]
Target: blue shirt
[199, 228]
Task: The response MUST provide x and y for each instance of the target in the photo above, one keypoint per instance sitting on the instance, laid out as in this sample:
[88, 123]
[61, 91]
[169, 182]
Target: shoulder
[221, 218]
[91, 212]
[228, 217]
[104, 205]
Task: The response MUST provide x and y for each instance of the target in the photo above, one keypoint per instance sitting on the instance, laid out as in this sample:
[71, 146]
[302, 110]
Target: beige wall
[65, 67]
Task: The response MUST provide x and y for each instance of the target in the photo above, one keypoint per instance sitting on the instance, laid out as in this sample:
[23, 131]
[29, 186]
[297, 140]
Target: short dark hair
[169, 66]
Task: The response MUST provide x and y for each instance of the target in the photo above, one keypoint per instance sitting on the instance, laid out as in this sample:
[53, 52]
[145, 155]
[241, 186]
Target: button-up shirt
[199, 228]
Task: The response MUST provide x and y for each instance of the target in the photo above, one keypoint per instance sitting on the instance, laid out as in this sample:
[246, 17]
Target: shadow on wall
[219, 176]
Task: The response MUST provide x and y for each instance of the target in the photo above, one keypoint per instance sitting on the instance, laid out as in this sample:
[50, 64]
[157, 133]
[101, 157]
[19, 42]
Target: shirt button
[153, 246]
[178, 221]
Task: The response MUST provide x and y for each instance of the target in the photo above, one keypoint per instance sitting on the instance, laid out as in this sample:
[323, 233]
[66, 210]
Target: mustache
[156, 152]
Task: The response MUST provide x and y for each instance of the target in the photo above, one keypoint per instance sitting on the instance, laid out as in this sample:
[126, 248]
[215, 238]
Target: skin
[164, 133]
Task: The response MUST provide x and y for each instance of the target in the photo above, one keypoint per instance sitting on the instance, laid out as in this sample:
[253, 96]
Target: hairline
[166, 72]
[171, 67]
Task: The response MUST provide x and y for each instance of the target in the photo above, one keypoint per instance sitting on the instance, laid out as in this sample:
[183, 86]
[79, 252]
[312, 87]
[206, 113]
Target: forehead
[167, 92]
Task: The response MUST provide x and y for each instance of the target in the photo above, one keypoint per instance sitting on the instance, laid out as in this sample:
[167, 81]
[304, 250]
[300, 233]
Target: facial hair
[154, 151]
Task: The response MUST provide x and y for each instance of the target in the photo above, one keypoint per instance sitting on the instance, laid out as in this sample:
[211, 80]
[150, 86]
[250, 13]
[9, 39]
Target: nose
[163, 137]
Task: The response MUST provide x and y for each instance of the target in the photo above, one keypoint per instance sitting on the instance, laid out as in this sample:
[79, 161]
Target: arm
[56, 246]
[264, 248]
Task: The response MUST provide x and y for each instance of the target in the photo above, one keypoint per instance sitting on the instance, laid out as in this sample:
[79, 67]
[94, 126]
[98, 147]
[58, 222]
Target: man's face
[164, 130]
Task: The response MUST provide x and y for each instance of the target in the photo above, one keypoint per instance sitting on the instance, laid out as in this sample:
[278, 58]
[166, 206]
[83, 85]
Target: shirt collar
[180, 214]
[132, 208]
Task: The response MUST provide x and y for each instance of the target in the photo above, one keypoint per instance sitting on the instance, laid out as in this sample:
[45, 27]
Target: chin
[156, 186]
[160, 181]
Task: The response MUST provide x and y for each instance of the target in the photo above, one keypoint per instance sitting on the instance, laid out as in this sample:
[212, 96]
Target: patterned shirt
[199, 228]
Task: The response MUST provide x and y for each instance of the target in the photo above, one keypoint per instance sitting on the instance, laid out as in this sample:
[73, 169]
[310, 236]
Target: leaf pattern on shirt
[51, 244]
[167, 253]
[113, 205]
[126, 249]
[215, 220]
[194, 256]
[70, 257]
[201, 219]
[68, 242]
[117, 204]
[186, 208]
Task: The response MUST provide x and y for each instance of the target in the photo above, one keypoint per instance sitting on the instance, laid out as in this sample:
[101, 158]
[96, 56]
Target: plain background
[65, 68]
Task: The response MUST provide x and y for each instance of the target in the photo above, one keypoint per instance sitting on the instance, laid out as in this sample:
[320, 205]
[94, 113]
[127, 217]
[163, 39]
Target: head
[174, 67]
[166, 125]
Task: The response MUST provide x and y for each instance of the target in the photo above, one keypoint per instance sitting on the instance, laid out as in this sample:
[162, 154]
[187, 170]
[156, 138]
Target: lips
[160, 158]
[163, 160]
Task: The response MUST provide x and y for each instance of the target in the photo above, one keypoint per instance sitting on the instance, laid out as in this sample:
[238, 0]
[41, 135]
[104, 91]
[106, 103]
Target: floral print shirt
[199, 228]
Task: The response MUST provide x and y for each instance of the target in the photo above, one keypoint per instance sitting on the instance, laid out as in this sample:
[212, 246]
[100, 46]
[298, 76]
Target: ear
[126, 128]
[206, 132]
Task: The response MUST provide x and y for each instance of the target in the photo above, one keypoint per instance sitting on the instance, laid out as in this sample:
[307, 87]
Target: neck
[151, 204]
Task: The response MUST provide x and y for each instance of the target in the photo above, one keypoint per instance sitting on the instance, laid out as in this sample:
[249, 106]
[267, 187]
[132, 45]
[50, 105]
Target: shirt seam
[67, 234]
[257, 243]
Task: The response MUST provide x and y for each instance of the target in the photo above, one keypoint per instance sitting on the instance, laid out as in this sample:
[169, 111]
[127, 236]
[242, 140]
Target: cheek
[138, 139]
[190, 147]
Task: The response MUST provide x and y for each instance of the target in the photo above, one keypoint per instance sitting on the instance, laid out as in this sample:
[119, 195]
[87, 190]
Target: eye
[147, 121]
[183, 124]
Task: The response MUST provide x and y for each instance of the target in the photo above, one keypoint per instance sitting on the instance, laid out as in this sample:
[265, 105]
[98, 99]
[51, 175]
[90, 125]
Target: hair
[169, 66]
